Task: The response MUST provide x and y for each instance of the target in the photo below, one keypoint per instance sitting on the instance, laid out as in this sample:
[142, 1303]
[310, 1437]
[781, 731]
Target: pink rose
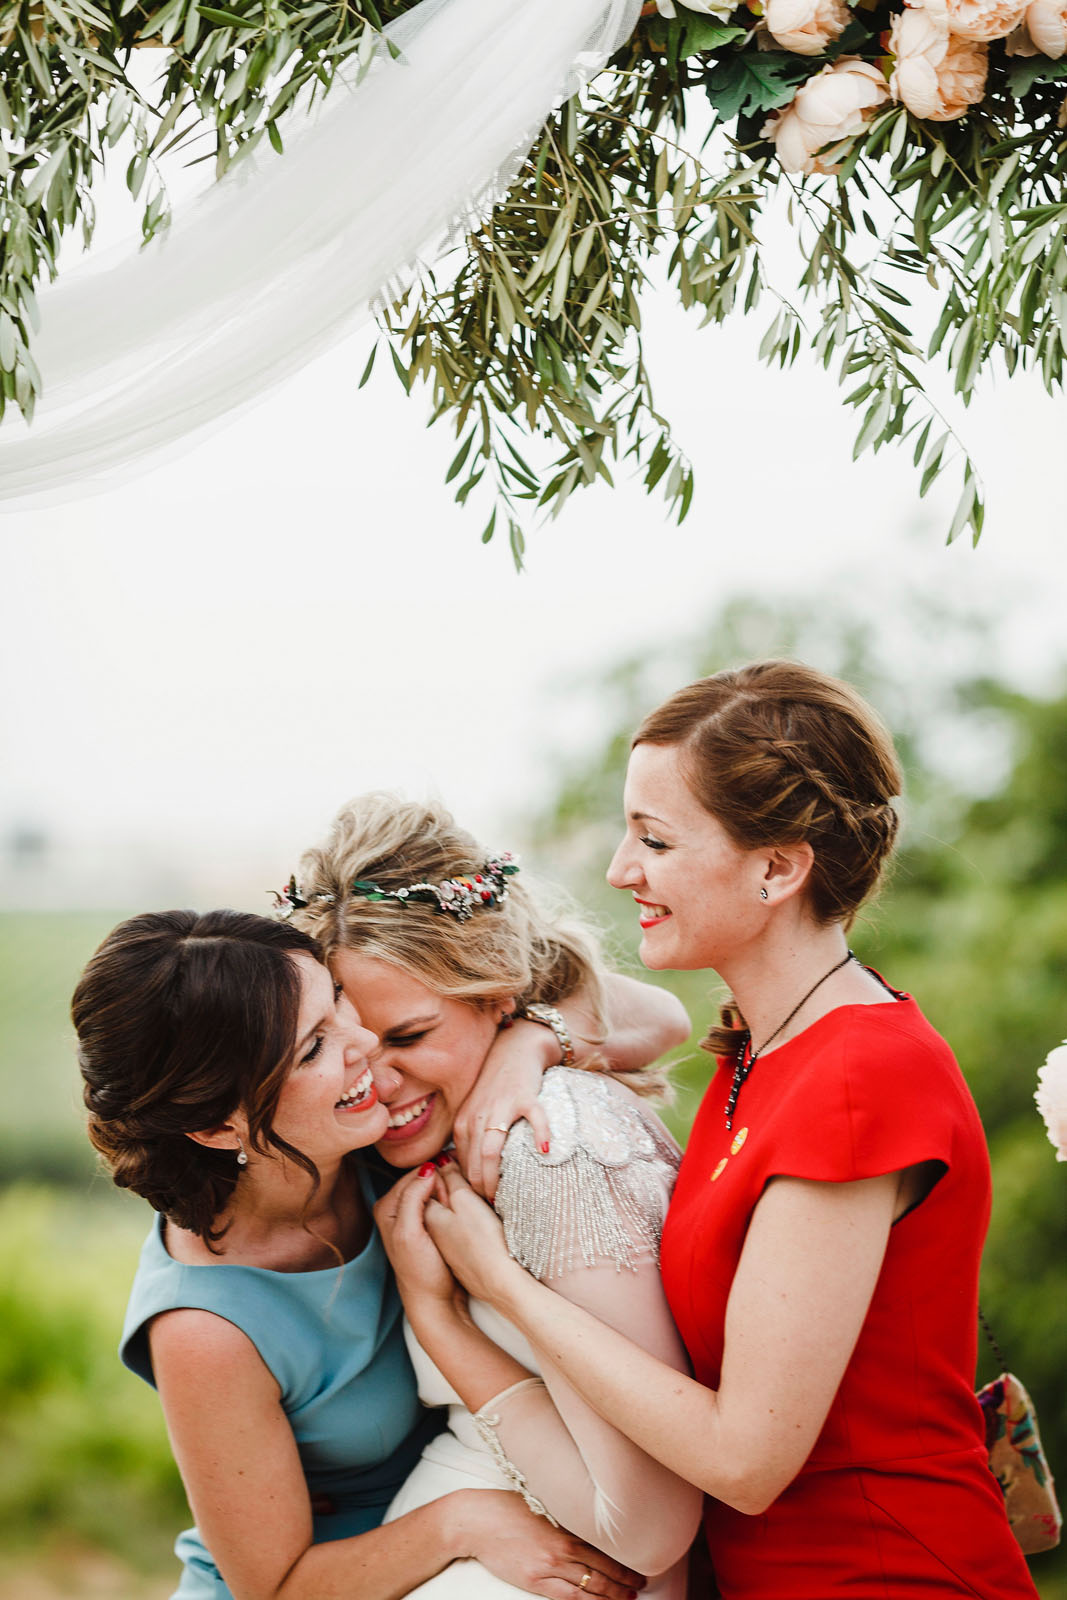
[1046, 22]
[805, 26]
[937, 75]
[833, 105]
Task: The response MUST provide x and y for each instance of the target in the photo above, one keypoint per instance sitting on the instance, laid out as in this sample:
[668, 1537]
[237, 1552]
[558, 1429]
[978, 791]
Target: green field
[41, 955]
[89, 1497]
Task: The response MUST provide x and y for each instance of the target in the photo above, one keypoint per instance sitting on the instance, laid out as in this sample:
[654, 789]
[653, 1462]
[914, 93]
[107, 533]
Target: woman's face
[436, 1045]
[329, 1103]
[697, 892]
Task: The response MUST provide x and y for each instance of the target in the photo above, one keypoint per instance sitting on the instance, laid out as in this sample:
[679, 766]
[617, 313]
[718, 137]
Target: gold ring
[584, 1580]
[494, 1127]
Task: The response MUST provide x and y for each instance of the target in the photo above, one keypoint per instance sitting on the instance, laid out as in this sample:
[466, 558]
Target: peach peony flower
[834, 104]
[1051, 1097]
[937, 75]
[982, 21]
[1046, 22]
[805, 26]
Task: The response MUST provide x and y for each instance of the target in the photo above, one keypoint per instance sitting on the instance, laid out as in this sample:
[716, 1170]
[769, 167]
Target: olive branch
[529, 335]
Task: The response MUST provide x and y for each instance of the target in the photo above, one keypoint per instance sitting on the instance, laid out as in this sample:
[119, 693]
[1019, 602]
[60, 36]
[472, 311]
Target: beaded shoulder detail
[601, 1192]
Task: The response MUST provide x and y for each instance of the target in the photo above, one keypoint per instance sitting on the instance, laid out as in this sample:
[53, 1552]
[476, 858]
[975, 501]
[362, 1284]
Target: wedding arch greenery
[529, 337]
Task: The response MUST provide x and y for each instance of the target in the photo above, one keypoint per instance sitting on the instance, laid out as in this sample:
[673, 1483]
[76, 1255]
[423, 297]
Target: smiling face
[436, 1045]
[329, 1102]
[697, 892]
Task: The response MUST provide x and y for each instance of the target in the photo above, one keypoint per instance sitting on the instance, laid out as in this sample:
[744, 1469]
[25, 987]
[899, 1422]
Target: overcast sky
[200, 664]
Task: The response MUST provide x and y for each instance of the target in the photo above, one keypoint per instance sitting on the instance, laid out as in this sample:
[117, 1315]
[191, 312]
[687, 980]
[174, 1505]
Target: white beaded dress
[585, 1218]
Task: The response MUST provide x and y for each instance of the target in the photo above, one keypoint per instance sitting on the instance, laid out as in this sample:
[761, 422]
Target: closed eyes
[320, 1038]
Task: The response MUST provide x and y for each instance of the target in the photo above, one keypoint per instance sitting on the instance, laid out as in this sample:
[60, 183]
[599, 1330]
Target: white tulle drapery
[287, 253]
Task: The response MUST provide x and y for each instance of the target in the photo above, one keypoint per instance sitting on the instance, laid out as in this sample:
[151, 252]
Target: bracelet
[549, 1017]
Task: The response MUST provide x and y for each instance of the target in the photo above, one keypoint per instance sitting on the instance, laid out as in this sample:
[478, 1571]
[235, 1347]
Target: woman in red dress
[822, 1249]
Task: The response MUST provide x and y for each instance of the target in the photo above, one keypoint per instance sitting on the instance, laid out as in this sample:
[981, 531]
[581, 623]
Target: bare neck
[770, 978]
[277, 1220]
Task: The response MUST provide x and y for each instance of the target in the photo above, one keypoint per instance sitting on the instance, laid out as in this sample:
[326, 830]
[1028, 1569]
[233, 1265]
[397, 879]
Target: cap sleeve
[600, 1193]
[878, 1095]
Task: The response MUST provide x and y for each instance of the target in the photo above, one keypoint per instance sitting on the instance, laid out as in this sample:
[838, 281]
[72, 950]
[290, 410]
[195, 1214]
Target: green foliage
[743, 85]
[973, 921]
[41, 955]
[67, 99]
[83, 1451]
[533, 351]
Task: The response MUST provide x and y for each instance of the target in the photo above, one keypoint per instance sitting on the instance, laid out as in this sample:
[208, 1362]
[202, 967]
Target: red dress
[896, 1500]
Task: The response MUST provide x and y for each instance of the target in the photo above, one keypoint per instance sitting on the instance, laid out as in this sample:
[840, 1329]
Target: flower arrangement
[915, 142]
[1051, 1097]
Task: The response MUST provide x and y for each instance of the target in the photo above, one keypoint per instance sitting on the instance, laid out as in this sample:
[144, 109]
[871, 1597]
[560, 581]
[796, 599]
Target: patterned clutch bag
[1019, 1465]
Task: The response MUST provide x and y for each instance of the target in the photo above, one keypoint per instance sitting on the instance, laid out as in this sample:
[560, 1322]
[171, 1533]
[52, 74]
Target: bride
[437, 947]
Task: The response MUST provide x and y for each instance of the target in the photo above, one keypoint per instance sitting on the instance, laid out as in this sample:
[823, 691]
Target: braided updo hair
[780, 753]
[182, 1018]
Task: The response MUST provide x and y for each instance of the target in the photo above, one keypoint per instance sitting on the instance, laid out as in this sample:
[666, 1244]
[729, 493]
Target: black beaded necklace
[747, 1057]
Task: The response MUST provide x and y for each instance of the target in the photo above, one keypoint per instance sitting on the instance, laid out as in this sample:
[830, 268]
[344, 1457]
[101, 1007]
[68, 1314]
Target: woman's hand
[422, 1274]
[527, 1551]
[506, 1091]
[469, 1236]
[642, 1022]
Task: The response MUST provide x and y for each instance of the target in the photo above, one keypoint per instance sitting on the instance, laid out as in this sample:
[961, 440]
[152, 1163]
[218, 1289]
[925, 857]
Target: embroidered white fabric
[487, 1422]
[542, 1438]
[288, 253]
[601, 1192]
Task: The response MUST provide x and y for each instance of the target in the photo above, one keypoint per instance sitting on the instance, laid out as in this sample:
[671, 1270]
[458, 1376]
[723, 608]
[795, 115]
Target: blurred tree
[974, 919]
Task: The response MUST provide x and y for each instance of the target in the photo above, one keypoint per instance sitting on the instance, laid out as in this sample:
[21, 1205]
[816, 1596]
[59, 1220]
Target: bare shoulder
[191, 1345]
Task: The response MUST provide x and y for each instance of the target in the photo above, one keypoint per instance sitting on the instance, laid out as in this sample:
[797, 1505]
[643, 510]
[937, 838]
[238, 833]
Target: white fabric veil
[286, 253]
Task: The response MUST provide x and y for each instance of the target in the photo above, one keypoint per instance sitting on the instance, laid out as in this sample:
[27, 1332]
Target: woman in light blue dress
[228, 1081]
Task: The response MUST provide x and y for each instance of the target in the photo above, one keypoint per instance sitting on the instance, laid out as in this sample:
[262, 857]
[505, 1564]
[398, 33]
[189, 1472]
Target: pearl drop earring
[242, 1154]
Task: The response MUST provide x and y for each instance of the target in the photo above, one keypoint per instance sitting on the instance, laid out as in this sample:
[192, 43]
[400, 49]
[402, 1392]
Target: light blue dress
[333, 1340]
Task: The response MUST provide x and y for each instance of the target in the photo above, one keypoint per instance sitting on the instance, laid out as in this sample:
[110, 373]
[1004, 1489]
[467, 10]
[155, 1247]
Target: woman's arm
[567, 1458]
[643, 1023]
[241, 1469]
[802, 1288]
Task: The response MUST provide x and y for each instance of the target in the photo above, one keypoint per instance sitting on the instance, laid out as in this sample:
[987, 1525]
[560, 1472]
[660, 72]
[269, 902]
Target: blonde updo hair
[780, 753]
[528, 947]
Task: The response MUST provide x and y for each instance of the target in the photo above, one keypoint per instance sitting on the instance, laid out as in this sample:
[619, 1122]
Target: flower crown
[459, 897]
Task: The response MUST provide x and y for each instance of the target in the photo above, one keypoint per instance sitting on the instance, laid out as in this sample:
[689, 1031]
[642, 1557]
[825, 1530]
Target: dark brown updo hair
[182, 1018]
[780, 753]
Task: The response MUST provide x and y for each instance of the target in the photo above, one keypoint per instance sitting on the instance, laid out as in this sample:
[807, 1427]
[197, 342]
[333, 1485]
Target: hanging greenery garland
[916, 142]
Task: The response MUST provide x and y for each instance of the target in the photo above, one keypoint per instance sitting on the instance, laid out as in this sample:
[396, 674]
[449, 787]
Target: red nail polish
[426, 1168]
[443, 1160]
[544, 1148]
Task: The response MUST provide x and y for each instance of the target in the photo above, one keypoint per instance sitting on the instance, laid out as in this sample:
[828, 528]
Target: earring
[242, 1154]
[763, 894]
